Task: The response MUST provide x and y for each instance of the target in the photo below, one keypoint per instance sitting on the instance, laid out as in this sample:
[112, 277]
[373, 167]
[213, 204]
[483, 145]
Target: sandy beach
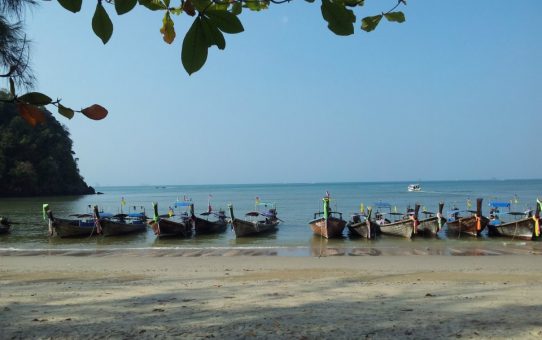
[227, 297]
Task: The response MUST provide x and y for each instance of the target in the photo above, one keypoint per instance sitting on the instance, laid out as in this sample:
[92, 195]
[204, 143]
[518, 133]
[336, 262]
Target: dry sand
[400, 297]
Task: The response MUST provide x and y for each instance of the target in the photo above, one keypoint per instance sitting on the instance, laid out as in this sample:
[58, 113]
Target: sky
[451, 94]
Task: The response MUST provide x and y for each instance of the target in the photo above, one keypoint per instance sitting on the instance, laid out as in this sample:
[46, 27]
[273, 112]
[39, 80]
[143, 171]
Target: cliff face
[37, 161]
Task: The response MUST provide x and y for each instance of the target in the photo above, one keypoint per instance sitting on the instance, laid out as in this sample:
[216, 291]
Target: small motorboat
[414, 187]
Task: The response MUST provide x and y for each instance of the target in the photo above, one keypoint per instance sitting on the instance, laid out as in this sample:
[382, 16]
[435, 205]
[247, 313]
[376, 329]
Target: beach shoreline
[380, 297]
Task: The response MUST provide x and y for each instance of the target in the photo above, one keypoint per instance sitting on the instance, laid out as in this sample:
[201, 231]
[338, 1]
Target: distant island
[37, 161]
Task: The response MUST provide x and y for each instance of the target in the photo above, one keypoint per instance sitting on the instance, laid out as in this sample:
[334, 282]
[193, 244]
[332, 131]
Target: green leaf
[339, 19]
[35, 98]
[237, 8]
[153, 5]
[220, 6]
[124, 6]
[256, 5]
[225, 21]
[71, 5]
[167, 30]
[368, 24]
[101, 24]
[213, 36]
[195, 48]
[395, 17]
[65, 111]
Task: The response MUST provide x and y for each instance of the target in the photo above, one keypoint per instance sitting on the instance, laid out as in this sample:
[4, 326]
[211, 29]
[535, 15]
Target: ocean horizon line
[319, 183]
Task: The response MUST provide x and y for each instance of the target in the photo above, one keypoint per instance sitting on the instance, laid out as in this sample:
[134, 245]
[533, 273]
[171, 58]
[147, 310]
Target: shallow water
[295, 203]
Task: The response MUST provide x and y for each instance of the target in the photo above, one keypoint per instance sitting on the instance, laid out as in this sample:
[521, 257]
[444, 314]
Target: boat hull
[522, 229]
[333, 229]
[467, 226]
[203, 226]
[403, 228]
[113, 228]
[243, 228]
[364, 229]
[64, 228]
[166, 227]
[430, 226]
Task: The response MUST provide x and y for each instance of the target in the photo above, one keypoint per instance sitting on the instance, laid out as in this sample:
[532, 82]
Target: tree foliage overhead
[213, 18]
[36, 160]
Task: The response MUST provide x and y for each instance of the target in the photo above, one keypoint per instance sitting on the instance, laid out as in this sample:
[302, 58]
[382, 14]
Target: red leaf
[95, 112]
[31, 113]
[188, 8]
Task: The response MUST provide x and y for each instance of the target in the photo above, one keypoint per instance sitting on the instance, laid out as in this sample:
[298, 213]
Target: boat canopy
[139, 214]
[106, 215]
[497, 204]
[182, 204]
[269, 213]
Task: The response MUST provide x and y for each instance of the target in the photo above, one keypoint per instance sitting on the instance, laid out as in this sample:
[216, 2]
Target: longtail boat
[180, 225]
[398, 224]
[469, 225]
[206, 226]
[83, 225]
[121, 224]
[255, 226]
[523, 225]
[327, 223]
[432, 223]
[5, 225]
[361, 225]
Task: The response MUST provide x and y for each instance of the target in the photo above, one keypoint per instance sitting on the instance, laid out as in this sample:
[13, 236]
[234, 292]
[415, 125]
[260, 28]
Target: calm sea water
[295, 203]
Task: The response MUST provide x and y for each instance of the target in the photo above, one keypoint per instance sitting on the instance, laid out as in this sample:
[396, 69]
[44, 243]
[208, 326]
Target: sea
[295, 204]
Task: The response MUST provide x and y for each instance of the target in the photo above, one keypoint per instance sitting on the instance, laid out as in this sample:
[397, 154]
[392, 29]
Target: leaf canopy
[73, 6]
[226, 21]
[395, 17]
[124, 6]
[65, 111]
[195, 47]
[168, 29]
[101, 24]
[368, 24]
[35, 98]
[340, 20]
[95, 112]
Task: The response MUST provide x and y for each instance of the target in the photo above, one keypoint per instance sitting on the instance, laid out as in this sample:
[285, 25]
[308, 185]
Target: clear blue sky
[452, 93]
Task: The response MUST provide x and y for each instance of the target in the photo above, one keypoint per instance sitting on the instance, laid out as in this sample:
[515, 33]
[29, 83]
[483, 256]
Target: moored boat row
[408, 225]
[380, 219]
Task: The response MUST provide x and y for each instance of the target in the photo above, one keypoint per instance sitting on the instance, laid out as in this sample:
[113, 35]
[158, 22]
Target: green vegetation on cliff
[36, 161]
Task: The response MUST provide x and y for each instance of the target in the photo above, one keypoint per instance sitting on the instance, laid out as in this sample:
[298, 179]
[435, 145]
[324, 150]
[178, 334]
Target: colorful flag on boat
[469, 203]
[326, 207]
[45, 208]
[122, 201]
[362, 208]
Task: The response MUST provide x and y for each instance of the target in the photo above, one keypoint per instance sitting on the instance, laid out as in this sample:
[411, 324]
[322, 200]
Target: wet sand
[131, 295]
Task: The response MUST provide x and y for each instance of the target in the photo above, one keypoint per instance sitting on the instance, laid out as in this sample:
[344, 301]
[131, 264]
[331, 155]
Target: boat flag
[469, 203]
[44, 209]
[170, 212]
[362, 208]
[123, 201]
[539, 203]
[209, 208]
[424, 209]
[326, 207]
[516, 199]
[395, 208]
[257, 200]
